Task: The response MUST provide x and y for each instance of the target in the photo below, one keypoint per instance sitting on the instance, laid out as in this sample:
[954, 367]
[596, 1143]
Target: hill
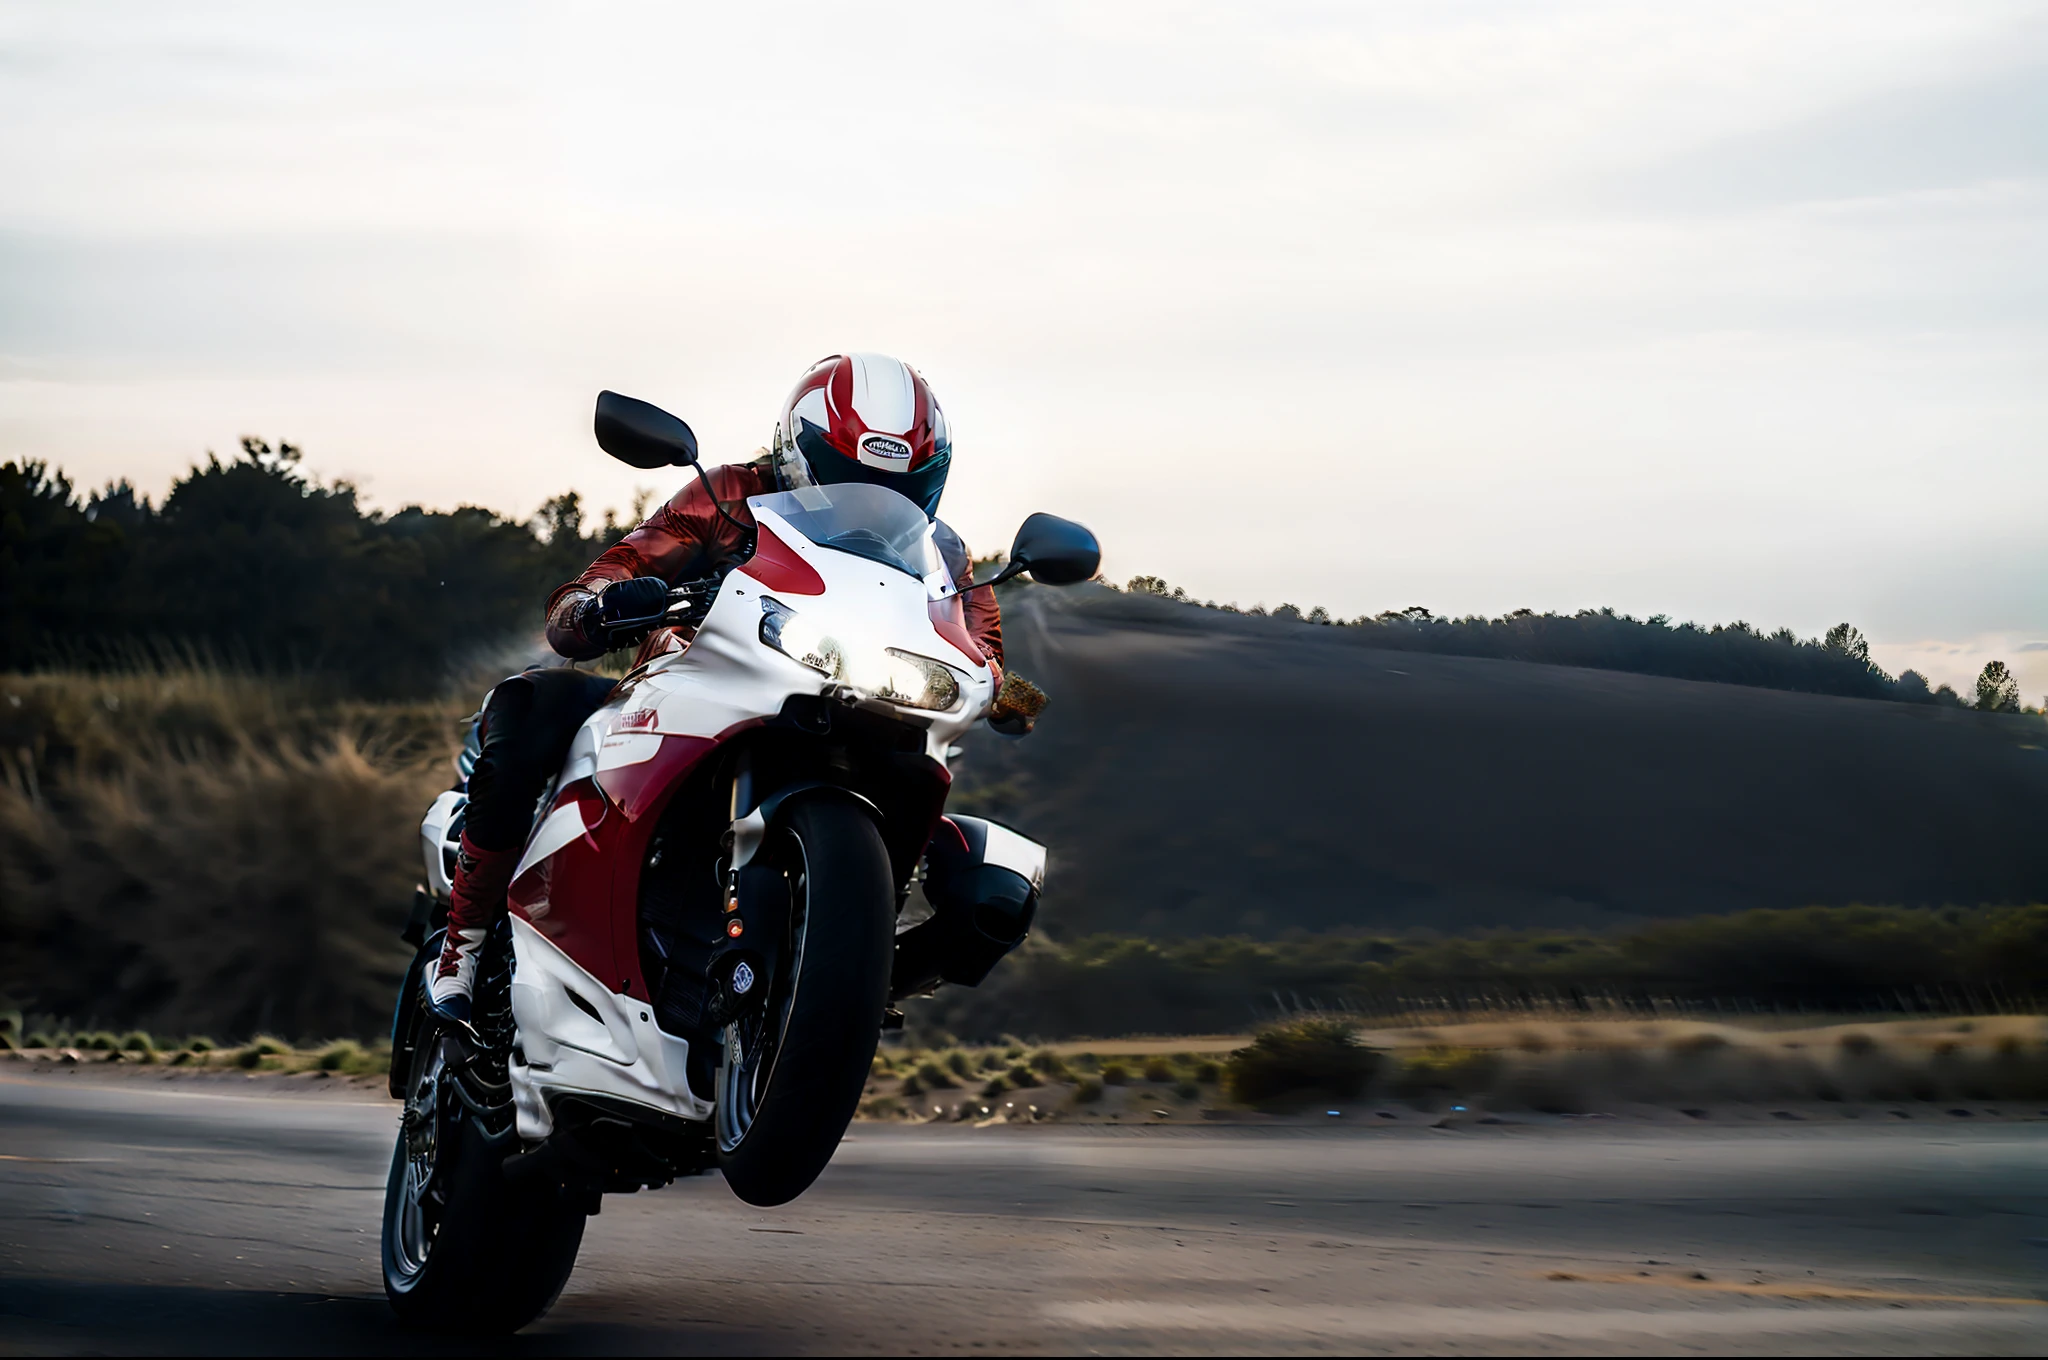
[1203, 773]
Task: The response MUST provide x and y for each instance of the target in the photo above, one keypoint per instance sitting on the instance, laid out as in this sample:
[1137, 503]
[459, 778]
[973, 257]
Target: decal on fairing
[562, 826]
[776, 565]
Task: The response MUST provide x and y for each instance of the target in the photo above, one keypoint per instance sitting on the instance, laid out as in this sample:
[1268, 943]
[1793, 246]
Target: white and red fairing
[575, 892]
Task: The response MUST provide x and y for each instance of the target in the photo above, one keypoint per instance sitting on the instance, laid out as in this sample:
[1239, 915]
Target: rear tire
[786, 1098]
[474, 1253]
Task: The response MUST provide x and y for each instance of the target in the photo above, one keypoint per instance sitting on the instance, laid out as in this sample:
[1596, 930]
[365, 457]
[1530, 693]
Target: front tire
[792, 1074]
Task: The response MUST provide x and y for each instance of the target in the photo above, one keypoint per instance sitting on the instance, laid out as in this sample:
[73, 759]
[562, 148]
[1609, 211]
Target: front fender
[749, 831]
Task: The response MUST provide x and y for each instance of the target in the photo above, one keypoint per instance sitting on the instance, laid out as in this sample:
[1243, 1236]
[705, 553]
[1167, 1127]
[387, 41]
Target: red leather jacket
[687, 538]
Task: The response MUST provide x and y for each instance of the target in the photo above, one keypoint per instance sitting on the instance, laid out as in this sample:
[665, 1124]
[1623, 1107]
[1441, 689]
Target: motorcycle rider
[851, 418]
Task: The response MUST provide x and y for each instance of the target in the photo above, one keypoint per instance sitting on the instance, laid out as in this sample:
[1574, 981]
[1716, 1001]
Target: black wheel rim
[750, 1045]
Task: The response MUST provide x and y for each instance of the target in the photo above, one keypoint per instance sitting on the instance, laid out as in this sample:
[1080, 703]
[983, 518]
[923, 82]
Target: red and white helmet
[865, 418]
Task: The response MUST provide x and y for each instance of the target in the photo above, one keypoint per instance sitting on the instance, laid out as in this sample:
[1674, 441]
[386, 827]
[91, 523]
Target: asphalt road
[147, 1216]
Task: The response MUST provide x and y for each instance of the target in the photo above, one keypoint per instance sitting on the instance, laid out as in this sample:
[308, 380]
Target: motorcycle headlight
[919, 682]
[795, 637]
[891, 674]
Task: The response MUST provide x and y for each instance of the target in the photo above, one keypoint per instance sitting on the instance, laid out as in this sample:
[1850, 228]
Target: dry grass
[1570, 1066]
[341, 1058]
[193, 850]
[1984, 1061]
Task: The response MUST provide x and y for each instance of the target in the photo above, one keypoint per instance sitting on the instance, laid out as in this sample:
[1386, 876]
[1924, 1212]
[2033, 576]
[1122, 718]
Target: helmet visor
[830, 467]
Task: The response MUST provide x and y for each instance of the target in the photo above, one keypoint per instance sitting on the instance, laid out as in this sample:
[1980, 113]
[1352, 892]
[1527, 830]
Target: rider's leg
[528, 722]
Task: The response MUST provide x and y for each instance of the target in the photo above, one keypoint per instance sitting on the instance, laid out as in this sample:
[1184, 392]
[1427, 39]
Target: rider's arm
[984, 617]
[985, 626]
[686, 538]
[1018, 702]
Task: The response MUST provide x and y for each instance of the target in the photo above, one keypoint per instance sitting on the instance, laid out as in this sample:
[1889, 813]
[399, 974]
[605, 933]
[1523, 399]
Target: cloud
[1979, 127]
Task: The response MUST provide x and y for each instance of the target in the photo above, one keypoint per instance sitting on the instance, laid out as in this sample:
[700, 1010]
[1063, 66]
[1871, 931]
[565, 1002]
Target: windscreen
[867, 521]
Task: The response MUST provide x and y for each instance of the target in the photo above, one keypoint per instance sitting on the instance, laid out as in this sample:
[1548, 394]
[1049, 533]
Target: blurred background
[1571, 478]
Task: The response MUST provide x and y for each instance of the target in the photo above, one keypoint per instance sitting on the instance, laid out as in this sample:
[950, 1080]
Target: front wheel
[793, 1071]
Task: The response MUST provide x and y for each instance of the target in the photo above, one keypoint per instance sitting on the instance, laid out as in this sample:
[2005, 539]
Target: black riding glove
[625, 609]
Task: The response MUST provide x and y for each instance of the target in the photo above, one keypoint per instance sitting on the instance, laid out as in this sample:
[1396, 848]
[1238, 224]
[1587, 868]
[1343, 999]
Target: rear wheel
[464, 1249]
[793, 1071]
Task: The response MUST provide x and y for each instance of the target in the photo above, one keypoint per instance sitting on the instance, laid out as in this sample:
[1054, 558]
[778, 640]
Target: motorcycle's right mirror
[642, 434]
[1057, 552]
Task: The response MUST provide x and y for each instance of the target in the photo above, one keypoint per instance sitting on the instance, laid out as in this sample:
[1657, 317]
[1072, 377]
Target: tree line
[257, 563]
[252, 562]
[1725, 653]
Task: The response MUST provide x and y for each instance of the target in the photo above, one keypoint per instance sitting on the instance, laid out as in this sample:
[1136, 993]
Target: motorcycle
[704, 940]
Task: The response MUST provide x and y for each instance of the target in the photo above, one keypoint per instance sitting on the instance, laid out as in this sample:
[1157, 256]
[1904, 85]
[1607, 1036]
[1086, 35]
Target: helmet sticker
[885, 452]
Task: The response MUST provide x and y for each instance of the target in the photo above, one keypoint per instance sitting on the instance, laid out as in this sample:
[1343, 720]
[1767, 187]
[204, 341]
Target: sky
[1715, 310]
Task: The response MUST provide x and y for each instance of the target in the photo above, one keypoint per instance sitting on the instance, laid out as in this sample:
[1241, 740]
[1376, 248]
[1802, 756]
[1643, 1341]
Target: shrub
[1442, 1068]
[1088, 1062]
[1158, 1069]
[199, 1043]
[958, 1065]
[101, 1042]
[1021, 1076]
[136, 1041]
[1115, 1073]
[995, 1085]
[935, 1077]
[1209, 1072]
[1088, 1090]
[1299, 1059]
[912, 1086]
[343, 1055]
[41, 1039]
[1049, 1064]
[263, 1046]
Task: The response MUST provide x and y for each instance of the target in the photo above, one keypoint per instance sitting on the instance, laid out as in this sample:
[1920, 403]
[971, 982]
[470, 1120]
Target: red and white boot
[475, 902]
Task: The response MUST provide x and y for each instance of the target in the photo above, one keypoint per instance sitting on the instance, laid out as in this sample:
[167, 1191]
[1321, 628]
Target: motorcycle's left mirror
[642, 434]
